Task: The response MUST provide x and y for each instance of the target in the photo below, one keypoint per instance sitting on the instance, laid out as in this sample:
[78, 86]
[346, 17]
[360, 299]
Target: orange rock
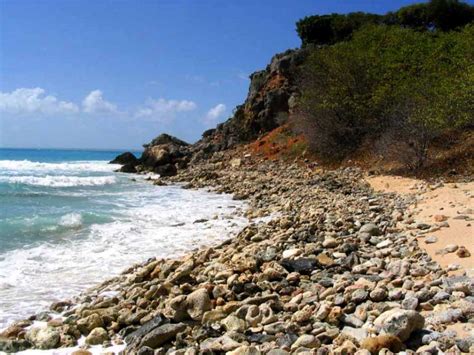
[375, 344]
[440, 218]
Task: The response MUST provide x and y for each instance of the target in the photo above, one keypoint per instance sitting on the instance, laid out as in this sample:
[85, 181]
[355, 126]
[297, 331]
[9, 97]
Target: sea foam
[59, 180]
[149, 222]
[27, 165]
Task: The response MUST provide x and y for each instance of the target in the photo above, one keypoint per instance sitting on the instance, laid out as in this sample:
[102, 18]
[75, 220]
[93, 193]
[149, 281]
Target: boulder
[198, 303]
[161, 335]
[97, 336]
[43, 338]
[126, 158]
[399, 322]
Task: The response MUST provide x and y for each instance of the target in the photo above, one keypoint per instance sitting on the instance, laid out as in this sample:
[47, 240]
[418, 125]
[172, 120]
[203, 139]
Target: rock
[410, 303]
[450, 248]
[306, 341]
[330, 242]
[13, 345]
[289, 253]
[223, 343]
[81, 352]
[431, 239]
[166, 139]
[236, 162]
[43, 337]
[97, 336]
[324, 260]
[463, 252]
[126, 158]
[359, 296]
[370, 229]
[161, 335]
[85, 325]
[197, 303]
[375, 344]
[440, 218]
[347, 347]
[400, 323]
[245, 350]
[301, 265]
[358, 334]
[146, 328]
[233, 323]
[165, 170]
[378, 294]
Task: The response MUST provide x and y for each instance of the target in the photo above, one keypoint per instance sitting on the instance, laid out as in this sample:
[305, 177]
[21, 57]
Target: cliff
[271, 96]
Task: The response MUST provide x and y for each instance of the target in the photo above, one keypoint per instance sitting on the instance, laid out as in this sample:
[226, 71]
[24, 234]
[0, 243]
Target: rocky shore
[337, 270]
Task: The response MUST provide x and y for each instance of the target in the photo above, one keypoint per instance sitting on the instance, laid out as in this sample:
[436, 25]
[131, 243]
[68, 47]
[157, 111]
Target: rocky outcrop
[271, 97]
[272, 94]
[164, 155]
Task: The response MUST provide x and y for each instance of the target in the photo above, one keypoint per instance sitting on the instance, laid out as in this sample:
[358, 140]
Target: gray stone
[370, 229]
[161, 335]
[400, 322]
[197, 303]
[43, 338]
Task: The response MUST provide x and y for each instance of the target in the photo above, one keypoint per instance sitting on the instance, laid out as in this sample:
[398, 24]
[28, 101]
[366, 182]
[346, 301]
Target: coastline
[317, 276]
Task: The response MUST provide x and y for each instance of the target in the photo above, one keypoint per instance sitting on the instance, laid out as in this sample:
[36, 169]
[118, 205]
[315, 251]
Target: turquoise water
[69, 221]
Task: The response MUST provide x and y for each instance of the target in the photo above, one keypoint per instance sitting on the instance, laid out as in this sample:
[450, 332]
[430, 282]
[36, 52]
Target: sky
[114, 74]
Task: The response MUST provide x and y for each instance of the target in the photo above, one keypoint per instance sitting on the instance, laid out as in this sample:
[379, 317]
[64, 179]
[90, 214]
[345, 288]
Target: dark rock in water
[165, 139]
[128, 168]
[126, 158]
[302, 265]
[166, 170]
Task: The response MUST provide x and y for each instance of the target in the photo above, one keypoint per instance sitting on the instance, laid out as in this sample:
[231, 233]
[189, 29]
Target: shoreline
[321, 273]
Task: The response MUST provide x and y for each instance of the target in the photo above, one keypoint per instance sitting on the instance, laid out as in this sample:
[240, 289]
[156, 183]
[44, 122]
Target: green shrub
[390, 82]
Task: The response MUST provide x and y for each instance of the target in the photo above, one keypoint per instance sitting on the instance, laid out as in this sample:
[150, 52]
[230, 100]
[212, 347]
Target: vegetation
[393, 84]
[443, 15]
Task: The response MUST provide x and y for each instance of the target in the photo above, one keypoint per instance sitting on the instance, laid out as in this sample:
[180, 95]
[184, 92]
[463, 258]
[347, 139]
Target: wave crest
[60, 180]
[27, 165]
[71, 220]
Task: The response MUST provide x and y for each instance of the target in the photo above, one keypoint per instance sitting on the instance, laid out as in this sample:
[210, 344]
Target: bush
[388, 82]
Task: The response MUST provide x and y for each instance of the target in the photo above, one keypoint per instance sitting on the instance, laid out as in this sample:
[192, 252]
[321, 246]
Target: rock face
[271, 97]
[272, 94]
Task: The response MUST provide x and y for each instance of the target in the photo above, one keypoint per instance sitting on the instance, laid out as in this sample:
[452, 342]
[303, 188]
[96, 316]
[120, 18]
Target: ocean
[68, 222]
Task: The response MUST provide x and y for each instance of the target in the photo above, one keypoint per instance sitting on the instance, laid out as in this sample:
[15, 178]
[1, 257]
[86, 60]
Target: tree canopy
[435, 15]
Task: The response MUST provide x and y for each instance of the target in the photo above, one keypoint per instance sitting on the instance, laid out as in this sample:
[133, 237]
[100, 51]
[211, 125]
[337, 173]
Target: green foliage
[329, 29]
[442, 15]
[388, 79]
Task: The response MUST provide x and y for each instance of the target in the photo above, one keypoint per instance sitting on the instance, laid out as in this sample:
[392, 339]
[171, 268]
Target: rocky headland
[337, 270]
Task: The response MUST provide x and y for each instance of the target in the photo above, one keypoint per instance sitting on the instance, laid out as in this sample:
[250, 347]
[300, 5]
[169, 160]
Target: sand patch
[449, 206]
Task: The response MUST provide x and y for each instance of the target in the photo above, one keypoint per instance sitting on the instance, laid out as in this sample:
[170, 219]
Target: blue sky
[114, 74]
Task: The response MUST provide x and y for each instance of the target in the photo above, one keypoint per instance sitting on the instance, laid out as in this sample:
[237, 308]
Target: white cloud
[164, 110]
[34, 101]
[215, 113]
[95, 103]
